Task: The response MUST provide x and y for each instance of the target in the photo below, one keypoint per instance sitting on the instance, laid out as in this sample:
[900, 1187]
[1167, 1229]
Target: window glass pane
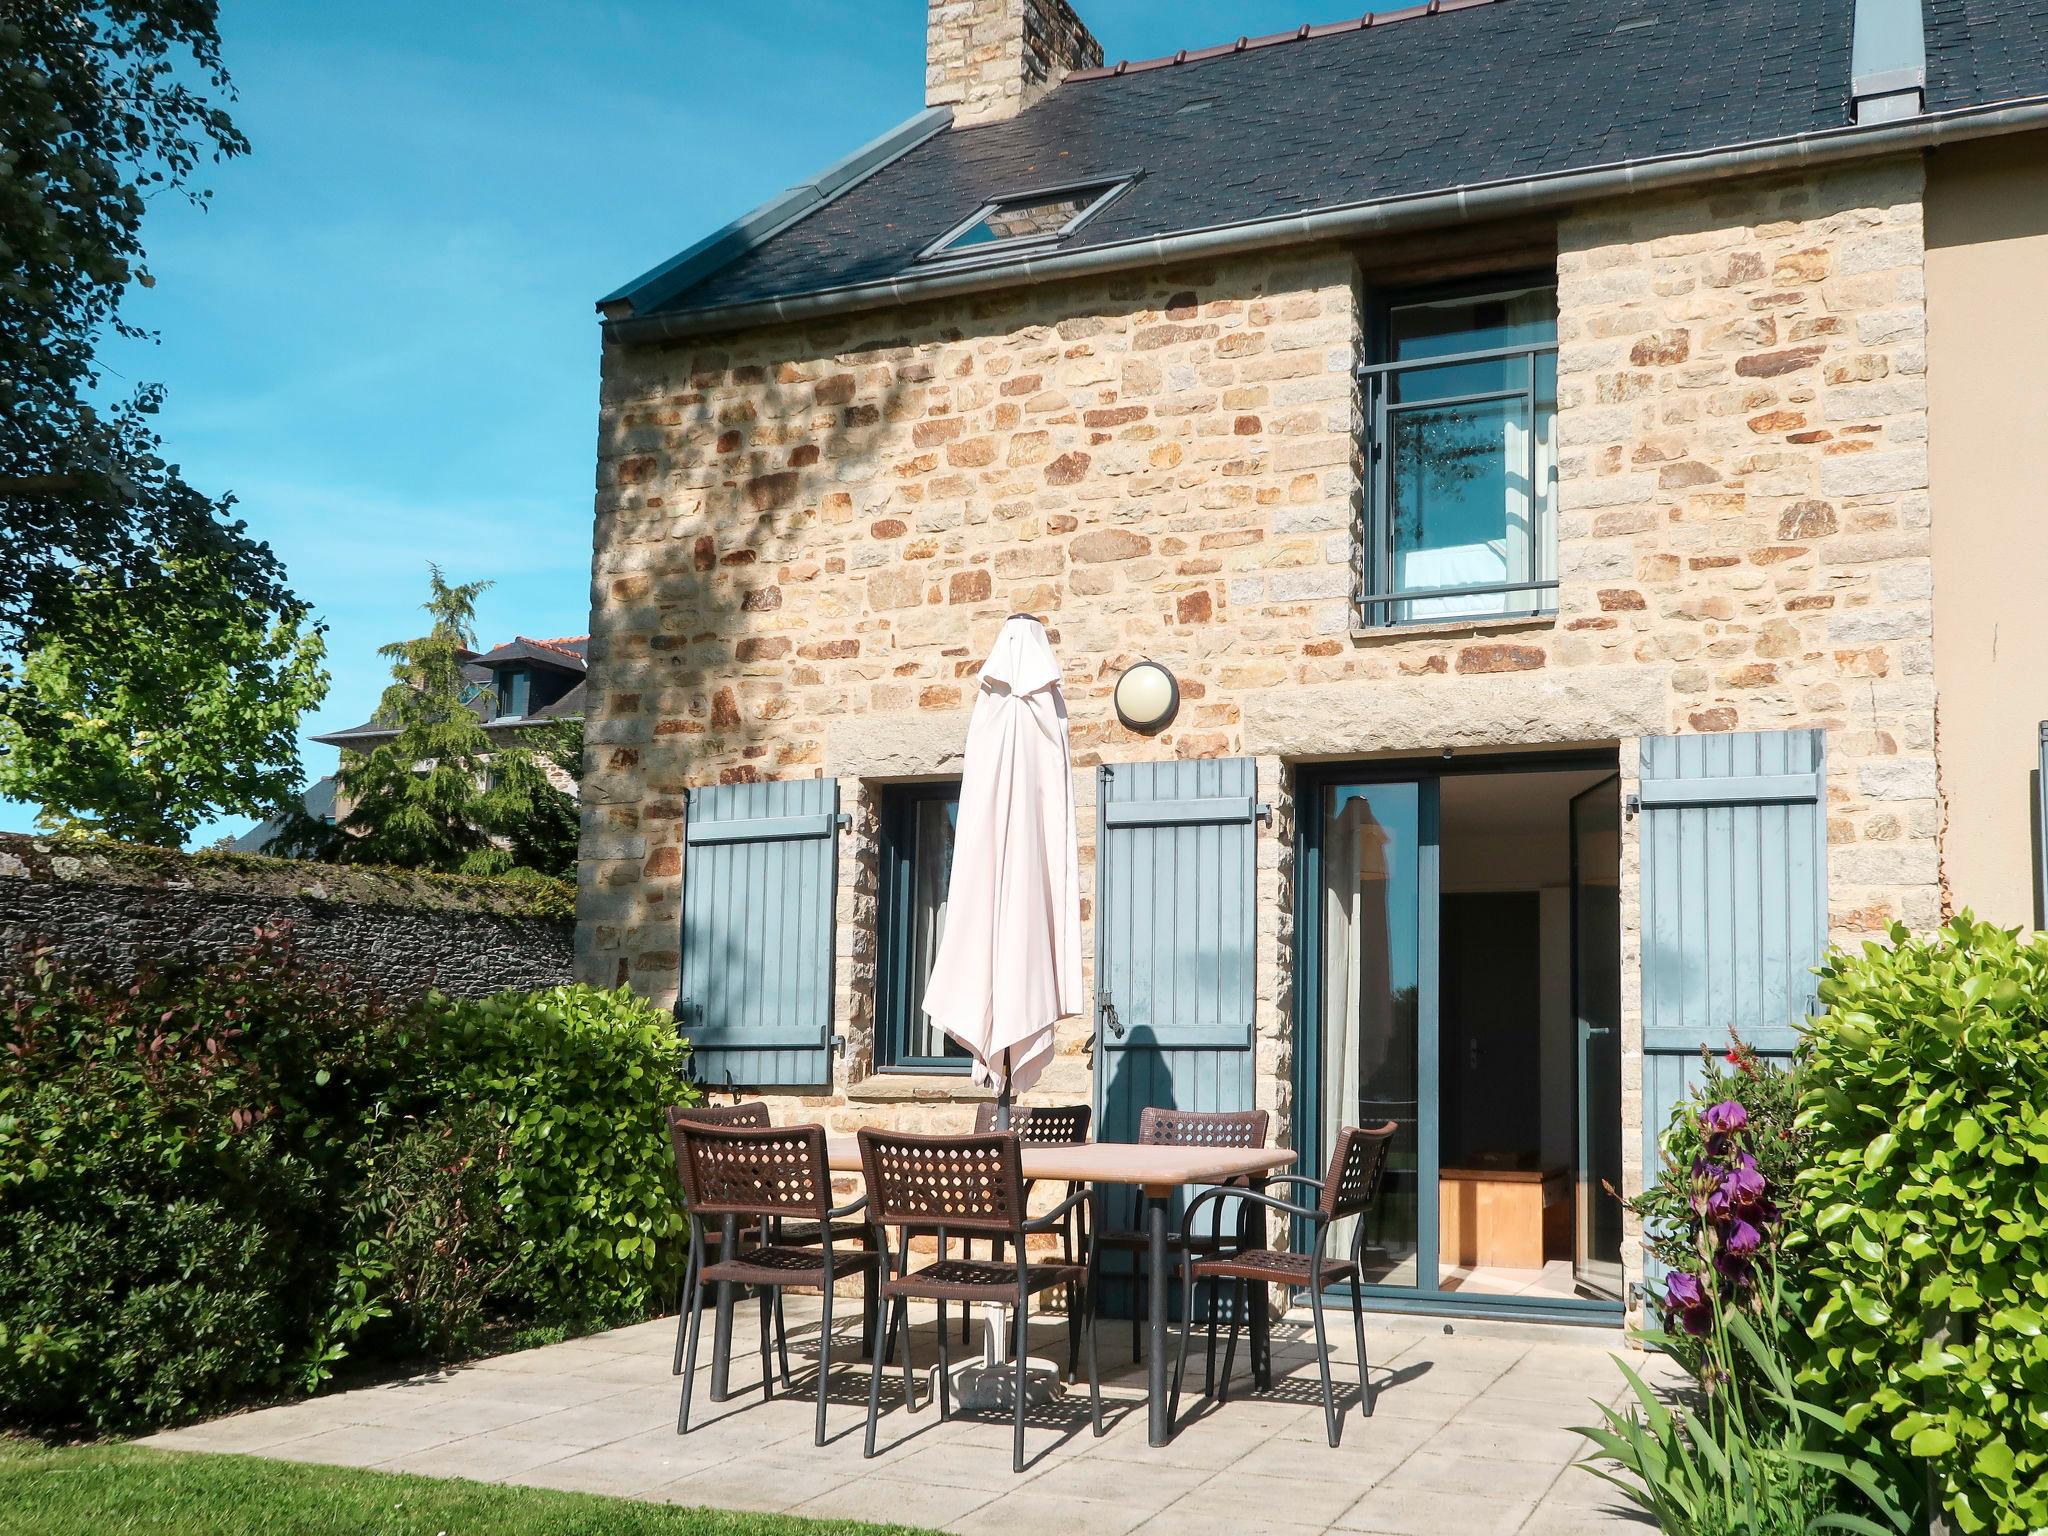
[1469, 494]
[1371, 842]
[1026, 218]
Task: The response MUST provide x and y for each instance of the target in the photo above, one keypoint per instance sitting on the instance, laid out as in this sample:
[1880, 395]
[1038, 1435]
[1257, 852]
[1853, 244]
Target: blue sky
[380, 334]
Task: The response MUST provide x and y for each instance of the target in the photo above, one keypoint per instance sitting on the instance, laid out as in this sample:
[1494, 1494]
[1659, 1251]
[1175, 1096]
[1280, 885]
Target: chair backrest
[961, 1183]
[753, 1113]
[1352, 1182]
[755, 1170]
[1201, 1128]
[1040, 1125]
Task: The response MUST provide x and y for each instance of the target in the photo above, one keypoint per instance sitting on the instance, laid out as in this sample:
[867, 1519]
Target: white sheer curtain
[1356, 985]
[929, 878]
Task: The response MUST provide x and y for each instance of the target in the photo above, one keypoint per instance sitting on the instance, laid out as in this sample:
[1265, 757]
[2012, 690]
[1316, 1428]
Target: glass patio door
[1596, 987]
[1375, 988]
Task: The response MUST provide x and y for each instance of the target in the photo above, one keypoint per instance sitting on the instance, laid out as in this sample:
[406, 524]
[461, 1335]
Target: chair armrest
[1052, 1218]
[1271, 1202]
[852, 1207]
[1295, 1178]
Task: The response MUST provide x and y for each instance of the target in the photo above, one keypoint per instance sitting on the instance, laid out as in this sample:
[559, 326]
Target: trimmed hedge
[219, 1180]
[1923, 1246]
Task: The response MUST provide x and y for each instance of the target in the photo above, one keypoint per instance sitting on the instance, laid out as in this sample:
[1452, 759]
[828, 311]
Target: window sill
[1441, 629]
[916, 1088]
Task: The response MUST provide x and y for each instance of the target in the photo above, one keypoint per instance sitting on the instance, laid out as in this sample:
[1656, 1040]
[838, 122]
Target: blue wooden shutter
[1175, 946]
[1734, 901]
[760, 878]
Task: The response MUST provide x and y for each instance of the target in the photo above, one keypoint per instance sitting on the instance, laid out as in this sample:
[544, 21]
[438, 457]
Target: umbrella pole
[994, 1320]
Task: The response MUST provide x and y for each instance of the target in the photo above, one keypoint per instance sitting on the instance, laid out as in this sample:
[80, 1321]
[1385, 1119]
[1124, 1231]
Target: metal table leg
[1262, 1322]
[721, 1335]
[1155, 1340]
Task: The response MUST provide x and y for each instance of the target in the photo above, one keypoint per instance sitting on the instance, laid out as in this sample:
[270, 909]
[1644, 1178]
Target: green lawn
[105, 1490]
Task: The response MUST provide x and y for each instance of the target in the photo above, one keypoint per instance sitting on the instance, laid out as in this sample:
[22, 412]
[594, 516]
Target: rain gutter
[1482, 200]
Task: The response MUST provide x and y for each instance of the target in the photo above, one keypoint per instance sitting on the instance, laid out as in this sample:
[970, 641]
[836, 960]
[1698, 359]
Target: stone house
[1574, 460]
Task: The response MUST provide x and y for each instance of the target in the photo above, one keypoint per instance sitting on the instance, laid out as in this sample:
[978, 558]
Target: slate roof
[1487, 92]
[1981, 51]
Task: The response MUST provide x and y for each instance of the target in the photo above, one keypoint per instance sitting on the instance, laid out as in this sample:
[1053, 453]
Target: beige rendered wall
[1987, 344]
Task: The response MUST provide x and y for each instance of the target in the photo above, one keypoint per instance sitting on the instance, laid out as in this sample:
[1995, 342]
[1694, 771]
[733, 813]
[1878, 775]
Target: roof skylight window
[1025, 220]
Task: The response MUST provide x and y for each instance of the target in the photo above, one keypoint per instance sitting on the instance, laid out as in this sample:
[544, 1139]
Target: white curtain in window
[928, 882]
[1357, 986]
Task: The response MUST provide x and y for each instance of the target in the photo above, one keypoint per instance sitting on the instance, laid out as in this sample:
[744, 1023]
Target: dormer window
[1026, 220]
[515, 690]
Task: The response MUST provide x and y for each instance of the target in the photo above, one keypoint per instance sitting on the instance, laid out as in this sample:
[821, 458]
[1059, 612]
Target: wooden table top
[1157, 1170]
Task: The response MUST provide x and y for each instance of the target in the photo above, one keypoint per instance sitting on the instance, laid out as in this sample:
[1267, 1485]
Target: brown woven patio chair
[1349, 1187]
[760, 1176]
[752, 1114]
[970, 1186]
[1182, 1128]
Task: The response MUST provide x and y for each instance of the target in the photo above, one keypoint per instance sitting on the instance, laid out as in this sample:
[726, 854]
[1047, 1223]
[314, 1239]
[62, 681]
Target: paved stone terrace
[1470, 1436]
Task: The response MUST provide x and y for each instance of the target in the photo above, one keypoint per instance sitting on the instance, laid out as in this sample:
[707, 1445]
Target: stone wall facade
[990, 59]
[111, 907]
[807, 538]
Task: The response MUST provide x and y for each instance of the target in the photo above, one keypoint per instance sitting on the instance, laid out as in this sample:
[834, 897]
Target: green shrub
[429, 1212]
[1925, 1217]
[173, 1157]
[578, 1079]
[222, 1178]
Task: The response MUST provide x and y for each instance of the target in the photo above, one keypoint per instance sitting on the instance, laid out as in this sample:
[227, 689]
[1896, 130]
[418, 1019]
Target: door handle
[1599, 1031]
[1116, 1025]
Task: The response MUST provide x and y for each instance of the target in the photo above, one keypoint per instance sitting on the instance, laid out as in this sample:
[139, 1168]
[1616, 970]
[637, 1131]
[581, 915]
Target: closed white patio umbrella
[1009, 962]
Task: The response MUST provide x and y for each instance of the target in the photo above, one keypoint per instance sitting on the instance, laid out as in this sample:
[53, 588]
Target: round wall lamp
[1146, 696]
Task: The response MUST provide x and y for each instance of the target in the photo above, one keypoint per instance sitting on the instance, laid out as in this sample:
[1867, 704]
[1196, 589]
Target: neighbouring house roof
[1454, 95]
[564, 654]
[318, 802]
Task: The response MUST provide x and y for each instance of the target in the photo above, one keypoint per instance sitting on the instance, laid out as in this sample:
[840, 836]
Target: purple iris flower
[1688, 1301]
[1721, 1122]
[1741, 1190]
[1741, 1239]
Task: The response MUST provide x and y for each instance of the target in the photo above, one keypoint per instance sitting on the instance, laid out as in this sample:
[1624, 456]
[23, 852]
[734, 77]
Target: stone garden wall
[394, 932]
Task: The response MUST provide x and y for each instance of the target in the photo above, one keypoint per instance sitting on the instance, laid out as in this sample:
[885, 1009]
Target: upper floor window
[1461, 465]
[918, 822]
[515, 689]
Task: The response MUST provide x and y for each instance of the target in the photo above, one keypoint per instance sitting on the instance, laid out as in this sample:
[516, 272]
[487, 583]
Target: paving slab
[1469, 1435]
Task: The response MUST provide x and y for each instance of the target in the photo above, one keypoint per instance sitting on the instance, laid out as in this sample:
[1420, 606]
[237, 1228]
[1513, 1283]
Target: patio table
[1154, 1171]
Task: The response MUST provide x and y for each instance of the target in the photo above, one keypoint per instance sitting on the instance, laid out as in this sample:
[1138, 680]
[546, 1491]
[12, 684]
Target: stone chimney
[990, 59]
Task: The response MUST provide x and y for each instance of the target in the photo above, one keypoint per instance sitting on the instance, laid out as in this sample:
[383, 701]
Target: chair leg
[1364, 1366]
[1073, 1330]
[693, 1308]
[1315, 1311]
[824, 1358]
[967, 1312]
[1094, 1370]
[876, 1362]
[1190, 1288]
[685, 1309]
[1023, 1377]
[945, 1377]
[769, 1298]
[782, 1343]
[1237, 1289]
[1209, 1365]
[909, 1371]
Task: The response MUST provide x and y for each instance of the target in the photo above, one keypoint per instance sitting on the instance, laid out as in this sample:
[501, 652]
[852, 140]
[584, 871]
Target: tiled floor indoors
[1469, 1437]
